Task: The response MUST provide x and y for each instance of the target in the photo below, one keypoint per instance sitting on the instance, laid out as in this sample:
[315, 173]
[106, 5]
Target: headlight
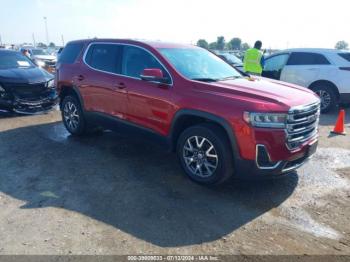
[268, 120]
[40, 63]
[51, 83]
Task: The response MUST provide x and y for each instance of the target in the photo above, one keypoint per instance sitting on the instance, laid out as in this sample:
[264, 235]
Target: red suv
[220, 122]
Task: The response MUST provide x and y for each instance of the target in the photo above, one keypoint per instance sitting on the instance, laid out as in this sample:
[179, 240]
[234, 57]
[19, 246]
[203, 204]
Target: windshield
[10, 60]
[199, 64]
[39, 52]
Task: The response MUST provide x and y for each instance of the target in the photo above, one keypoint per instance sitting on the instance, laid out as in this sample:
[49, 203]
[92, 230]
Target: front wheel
[205, 155]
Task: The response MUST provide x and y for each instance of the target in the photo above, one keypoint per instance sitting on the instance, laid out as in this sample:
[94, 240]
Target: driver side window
[274, 65]
[135, 60]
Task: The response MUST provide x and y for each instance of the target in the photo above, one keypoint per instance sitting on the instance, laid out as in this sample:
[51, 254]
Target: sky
[278, 23]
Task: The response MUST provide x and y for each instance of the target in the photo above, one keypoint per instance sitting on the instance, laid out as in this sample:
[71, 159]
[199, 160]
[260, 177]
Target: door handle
[80, 77]
[120, 86]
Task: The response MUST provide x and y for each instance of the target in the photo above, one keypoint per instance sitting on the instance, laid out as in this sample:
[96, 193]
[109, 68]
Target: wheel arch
[325, 82]
[71, 90]
[185, 118]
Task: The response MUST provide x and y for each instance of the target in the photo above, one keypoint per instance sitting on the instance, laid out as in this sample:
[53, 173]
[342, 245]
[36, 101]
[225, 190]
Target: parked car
[24, 87]
[43, 59]
[58, 52]
[325, 71]
[186, 98]
[231, 59]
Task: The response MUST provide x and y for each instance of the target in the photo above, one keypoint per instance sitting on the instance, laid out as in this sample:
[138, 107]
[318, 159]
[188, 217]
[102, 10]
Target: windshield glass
[199, 64]
[10, 60]
[39, 52]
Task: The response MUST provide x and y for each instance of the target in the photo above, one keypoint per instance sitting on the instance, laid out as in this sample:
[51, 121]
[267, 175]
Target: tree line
[236, 44]
[221, 44]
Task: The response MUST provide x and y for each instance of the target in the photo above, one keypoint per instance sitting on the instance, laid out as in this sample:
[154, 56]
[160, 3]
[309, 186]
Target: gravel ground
[106, 194]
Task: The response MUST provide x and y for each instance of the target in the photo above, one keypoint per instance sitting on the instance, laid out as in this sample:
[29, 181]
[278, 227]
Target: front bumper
[30, 106]
[262, 167]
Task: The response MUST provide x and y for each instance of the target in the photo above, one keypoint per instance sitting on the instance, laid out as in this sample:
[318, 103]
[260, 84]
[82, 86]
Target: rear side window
[103, 57]
[304, 58]
[346, 56]
[70, 53]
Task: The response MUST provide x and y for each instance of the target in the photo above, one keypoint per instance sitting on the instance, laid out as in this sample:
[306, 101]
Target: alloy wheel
[71, 116]
[200, 156]
[325, 98]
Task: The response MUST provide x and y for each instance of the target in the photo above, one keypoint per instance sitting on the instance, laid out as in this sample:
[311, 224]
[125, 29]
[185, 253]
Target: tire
[73, 116]
[200, 164]
[328, 96]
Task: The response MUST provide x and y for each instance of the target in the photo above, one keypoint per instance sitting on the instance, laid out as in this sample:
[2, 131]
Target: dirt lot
[107, 194]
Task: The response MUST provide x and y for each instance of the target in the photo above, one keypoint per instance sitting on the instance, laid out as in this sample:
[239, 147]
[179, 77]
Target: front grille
[302, 124]
[28, 91]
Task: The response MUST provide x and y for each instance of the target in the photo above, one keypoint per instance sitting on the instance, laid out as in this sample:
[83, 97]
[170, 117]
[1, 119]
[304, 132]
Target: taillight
[345, 68]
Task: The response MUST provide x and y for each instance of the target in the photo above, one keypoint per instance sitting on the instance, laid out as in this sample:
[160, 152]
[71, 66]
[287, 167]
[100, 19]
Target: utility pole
[34, 43]
[47, 31]
[62, 40]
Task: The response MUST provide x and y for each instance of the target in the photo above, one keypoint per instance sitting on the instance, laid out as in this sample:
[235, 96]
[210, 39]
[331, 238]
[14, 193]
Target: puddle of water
[57, 133]
[317, 179]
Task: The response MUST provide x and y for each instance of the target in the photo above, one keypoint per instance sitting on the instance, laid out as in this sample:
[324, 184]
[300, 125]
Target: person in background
[253, 62]
[26, 53]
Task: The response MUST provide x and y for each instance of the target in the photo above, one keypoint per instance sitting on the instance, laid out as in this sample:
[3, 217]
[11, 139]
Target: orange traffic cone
[339, 128]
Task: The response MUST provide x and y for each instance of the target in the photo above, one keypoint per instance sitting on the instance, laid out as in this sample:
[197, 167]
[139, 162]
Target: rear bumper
[263, 168]
[30, 106]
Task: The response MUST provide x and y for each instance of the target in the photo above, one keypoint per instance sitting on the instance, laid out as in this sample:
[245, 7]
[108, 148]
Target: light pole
[34, 43]
[46, 30]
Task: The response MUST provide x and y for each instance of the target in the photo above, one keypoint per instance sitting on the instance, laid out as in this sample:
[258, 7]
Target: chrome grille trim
[302, 125]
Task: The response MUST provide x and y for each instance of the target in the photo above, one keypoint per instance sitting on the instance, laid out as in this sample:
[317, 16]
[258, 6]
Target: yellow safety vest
[252, 61]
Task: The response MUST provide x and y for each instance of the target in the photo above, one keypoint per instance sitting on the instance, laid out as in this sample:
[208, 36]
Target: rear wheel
[327, 95]
[205, 155]
[72, 116]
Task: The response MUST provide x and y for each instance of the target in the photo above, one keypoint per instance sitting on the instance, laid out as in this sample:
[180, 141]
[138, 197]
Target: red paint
[153, 106]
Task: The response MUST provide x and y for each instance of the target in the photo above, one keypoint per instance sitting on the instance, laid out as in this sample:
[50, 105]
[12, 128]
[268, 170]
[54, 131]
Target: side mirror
[154, 75]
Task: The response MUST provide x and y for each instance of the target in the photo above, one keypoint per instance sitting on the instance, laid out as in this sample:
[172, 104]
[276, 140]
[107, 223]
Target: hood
[24, 75]
[44, 57]
[261, 90]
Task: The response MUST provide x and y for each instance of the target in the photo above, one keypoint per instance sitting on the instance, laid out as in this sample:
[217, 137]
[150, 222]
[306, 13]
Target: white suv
[325, 71]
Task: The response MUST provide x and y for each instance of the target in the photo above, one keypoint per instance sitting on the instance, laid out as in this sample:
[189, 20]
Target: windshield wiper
[228, 78]
[205, 79]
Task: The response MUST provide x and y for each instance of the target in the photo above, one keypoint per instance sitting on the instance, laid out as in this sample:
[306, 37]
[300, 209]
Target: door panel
[301, 75]
[149, 103]
[102, 94]
[102, 85]
[304, 67]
